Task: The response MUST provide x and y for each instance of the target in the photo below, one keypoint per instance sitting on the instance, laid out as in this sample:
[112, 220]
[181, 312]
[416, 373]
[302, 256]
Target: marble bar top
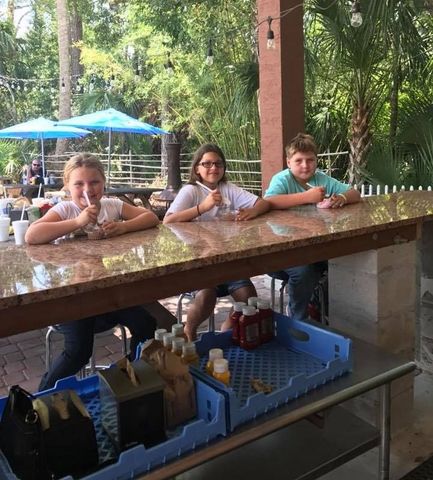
[31, 274]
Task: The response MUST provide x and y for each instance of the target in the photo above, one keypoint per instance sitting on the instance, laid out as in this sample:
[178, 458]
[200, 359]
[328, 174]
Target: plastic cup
[20, 229]
[46, 180]
[4, 228]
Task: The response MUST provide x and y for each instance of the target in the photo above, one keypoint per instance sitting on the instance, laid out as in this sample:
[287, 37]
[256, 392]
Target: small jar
[178, 330]
[189, 354]
[221, 370]
[214, 354]
[167, 341]
[159, 333]
[176, 345]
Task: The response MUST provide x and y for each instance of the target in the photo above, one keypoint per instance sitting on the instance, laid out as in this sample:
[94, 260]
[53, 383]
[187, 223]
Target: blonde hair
[301, 143]
[86, 160]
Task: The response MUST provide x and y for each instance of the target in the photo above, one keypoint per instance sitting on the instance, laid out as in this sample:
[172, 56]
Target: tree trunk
[76, 31]
[64, 42]
[359, 142]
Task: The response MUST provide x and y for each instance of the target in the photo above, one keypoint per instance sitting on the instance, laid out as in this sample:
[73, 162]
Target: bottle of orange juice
[214, 354]
[221, 370]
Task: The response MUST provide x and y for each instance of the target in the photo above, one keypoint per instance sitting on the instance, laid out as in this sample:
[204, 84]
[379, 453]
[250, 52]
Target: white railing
[370, 190]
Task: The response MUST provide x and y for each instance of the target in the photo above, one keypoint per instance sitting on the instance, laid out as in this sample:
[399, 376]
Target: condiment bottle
[266, 322]
[249, 337]
[253, 301]
[167, 340]
[189, 354]
[214, 354]
[159, 333]
[178, 330]
[234, 319]
[221, 370]
[176, 345]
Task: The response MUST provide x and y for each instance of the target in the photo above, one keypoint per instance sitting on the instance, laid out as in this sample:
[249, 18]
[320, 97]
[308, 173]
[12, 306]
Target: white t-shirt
[111, 210]
[191, 195]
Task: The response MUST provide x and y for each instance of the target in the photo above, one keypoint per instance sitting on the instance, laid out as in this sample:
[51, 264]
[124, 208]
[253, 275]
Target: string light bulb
[169, 67]
[270, 37]
[209, 54]
[356, 18]
[63, 86]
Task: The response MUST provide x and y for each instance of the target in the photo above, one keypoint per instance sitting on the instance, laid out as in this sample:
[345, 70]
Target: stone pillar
[425, 344]
[373, 296]
[281, 71]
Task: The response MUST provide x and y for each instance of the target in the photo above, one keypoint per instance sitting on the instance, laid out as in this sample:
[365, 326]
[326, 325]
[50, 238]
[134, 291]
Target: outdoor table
[128, 194]
[80, 278]
[29, 188]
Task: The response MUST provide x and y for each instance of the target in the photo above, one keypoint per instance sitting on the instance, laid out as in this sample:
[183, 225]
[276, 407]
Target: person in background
[85, 179]
[34, 172]
[303, 184]
[207, 193]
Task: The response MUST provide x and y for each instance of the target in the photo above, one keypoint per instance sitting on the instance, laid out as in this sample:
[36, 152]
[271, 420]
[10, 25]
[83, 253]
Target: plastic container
[249, 333]
[176, 345]
[178, 330]
[159, 334]
[221, 370]
[266, 322]
[214, 354]
[300, 358]
[167, 340]
[209, 424]
[234, 318]
[189, 354]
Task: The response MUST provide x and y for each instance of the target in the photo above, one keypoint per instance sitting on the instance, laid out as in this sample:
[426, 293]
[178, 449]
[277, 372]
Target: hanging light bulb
[209, 54]
[169, 67]
[356, 18]
[270, 37]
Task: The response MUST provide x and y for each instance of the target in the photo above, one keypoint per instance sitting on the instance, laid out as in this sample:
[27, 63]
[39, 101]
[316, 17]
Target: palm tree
[365, 64]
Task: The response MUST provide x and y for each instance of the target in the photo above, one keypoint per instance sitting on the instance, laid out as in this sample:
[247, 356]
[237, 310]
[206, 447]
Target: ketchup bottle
[249, 337]
[266, 322]
[234, 319]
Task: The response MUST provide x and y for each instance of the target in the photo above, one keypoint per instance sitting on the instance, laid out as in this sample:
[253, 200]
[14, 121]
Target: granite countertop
[30, 273]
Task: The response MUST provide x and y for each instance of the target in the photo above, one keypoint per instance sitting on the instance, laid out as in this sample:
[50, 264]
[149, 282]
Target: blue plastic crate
[209, 424]
[300, 358]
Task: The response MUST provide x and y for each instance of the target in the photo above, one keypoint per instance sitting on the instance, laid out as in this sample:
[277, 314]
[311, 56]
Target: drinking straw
[87, 198]
[203, 186]
[39, 191]
[22, 212]
[225, 200]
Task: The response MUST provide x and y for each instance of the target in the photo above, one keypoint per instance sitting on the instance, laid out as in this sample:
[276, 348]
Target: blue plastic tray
[209, 424]
[300, 358]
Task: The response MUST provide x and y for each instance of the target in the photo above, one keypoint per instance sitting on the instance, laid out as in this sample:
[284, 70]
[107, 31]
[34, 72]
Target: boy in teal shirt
[302, 184]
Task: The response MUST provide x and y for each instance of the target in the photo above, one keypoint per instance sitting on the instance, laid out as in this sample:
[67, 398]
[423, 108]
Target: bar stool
[179, 310]
[92, 367]
[284, 278]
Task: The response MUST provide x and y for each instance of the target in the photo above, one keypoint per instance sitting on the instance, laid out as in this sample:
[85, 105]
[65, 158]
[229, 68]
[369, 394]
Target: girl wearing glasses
[206, 194]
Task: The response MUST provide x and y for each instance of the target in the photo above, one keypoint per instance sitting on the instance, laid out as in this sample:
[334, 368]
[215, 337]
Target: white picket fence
[370, 190]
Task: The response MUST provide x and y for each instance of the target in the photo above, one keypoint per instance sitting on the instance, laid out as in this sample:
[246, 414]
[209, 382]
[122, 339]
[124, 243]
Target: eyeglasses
[208, 165]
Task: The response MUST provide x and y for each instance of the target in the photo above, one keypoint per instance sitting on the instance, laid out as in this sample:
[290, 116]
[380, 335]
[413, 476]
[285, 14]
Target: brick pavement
[22, 356]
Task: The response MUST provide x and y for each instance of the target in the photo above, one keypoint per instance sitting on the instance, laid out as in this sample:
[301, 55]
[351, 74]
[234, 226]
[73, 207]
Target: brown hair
[301, 143]
[86, 160]
[198, 155]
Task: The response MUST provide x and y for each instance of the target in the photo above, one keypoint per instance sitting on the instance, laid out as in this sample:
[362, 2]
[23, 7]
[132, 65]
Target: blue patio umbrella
[41, 129]
[111, 120]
